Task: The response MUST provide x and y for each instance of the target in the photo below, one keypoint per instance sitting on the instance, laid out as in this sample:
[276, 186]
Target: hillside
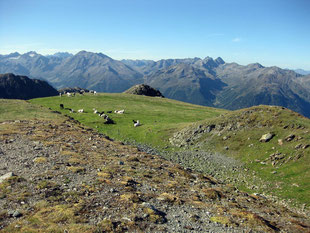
[186, 83]
[283, 162]
[254, 84]
[187, 126]
[21, 87]
[69, 177]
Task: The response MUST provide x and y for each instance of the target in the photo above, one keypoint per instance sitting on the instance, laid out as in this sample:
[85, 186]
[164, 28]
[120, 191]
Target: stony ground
[69, 178]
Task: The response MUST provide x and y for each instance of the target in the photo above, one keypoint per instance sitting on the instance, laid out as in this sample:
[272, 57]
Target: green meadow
[160, 117]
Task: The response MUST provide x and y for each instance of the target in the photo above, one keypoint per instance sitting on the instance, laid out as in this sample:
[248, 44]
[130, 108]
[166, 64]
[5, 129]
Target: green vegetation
[23, 110]
[282, 165]
[159, 117]
[92, 178]
[270, 168]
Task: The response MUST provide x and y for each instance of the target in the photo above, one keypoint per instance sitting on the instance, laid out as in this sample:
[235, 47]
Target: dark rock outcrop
[143, 89]
[21, 87]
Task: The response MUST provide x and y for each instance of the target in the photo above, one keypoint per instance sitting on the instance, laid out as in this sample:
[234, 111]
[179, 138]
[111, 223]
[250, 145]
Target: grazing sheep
[108, 120]
[80, 110]
[61, 106]
[69, 94]
[101, 113]
[95, 111]
[119, 111]
[136, 123]
[95, 92]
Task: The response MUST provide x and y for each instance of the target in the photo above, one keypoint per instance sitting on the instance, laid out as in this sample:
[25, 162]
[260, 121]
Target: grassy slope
[289, 177]
[160, 117]
[22, 110]
[51, 206]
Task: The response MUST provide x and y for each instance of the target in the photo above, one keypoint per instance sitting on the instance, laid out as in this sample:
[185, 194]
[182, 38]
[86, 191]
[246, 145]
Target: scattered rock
[6, 176]
[290, 137]
[266, 137]
[17, 214]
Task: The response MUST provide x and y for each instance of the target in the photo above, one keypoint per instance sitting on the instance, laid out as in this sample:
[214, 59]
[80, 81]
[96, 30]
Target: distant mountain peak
[207, 58]
[219, 61]
[14, 54]
[91, 54]
[256, 65]
[31, 54]
[61, 54]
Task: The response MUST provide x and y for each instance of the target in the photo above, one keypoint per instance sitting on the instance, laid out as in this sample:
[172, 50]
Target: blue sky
[271, 32]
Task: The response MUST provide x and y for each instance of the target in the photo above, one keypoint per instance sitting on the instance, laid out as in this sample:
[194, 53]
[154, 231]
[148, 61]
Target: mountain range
[208, 81]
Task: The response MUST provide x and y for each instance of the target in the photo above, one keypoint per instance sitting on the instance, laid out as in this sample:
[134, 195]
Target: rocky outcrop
[266, 137]
[143, 89]
[6, 176]
[21, 87]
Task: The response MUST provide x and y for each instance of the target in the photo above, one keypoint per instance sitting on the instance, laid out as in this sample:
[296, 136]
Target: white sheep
[69, 94]
[95, 111]
[80, 110]
[103, 115]
[136, 123]
[95, 92]
[119, 111]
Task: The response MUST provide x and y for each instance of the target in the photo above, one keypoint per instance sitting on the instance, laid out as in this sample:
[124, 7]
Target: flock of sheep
[102, 114]
[72, 94]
